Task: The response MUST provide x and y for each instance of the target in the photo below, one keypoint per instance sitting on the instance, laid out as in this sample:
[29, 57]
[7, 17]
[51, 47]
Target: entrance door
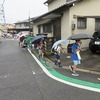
[57, 29]
[97, 24]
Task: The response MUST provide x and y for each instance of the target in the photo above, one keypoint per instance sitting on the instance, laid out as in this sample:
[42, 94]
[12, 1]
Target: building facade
[5, 27]
[24, 25]
[67, 17]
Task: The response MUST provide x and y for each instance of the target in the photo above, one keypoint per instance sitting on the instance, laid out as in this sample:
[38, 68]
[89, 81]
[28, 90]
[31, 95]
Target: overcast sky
[17, 10]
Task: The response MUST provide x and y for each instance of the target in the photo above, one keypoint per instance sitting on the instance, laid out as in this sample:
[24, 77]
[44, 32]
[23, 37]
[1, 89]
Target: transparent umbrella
[58, 42]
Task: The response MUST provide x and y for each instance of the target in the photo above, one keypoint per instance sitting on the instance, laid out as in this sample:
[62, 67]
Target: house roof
[48, 1]
[25, 21]
[56, 12]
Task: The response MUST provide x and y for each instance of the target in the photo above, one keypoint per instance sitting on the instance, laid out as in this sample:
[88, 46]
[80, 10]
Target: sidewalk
[90, 63]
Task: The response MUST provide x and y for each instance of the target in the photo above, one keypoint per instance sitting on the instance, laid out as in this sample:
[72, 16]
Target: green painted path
[75, 82]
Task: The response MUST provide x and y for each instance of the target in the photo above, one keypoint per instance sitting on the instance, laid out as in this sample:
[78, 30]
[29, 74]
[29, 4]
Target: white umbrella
[58, 42]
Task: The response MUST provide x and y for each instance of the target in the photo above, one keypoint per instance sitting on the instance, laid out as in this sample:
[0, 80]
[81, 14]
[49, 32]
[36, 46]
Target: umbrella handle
[52, 51]
[69, 41]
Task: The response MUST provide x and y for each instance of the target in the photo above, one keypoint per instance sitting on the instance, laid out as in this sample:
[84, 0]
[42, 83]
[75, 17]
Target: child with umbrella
[76, 47]
[58, 50]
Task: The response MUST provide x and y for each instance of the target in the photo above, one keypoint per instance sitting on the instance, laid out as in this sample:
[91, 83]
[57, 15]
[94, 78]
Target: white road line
[4, 76]
[33, 72]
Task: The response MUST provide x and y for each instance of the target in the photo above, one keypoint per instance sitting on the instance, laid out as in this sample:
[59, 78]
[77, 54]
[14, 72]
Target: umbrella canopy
[19, 36]
[28, 39]
[22, 38]
[58, 42]
[80, 36]
[37, 38]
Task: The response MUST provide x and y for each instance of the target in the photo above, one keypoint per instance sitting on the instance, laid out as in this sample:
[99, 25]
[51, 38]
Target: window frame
[39, 29]
[81, 23]
[47, 28]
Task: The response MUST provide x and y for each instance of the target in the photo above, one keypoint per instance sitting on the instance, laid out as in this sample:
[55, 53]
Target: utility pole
[29, 25]
[2, 16]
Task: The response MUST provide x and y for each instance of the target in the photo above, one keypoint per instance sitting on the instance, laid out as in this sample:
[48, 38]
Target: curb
[78, 69]
[84, 70]
[65, 79]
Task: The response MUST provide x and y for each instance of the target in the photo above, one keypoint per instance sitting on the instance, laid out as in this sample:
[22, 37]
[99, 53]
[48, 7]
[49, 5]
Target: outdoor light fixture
[73, 4]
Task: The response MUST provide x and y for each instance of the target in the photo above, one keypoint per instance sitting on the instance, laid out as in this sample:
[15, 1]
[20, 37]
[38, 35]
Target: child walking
[58, 49]
[76, 47]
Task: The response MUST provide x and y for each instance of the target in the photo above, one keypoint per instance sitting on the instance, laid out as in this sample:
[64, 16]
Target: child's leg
[59, 61]
[39, 53]
[42, 54]
[74, 68]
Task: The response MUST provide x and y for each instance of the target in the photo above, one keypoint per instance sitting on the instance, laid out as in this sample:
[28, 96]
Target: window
[47, 28]
[26, 24]
[81, 23]
[20, 25]
[39, 29]
[97, 24]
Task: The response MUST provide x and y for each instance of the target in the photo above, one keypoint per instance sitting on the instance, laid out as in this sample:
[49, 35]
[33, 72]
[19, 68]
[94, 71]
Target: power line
[2, 15]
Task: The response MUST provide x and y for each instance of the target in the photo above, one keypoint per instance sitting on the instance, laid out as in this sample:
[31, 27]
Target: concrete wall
[35, 29]
[85, 8]
[65, 26]
[55, 4]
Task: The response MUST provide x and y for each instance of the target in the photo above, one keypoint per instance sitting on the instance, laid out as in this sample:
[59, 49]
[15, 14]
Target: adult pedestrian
[58, 50]
[21, 41]
[76, 47]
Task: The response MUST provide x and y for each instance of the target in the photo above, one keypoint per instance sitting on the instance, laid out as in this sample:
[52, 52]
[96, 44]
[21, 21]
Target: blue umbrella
[58, 42]
[37, 38]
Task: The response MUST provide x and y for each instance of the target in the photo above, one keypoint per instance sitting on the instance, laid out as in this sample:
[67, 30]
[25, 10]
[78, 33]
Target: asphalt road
[21, 78]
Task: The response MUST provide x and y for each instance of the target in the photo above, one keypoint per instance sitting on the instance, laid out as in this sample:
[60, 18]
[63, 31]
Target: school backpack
[53, 51]
[69, 48]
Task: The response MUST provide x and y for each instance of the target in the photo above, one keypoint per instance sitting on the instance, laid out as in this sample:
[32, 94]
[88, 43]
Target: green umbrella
[28, 39]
